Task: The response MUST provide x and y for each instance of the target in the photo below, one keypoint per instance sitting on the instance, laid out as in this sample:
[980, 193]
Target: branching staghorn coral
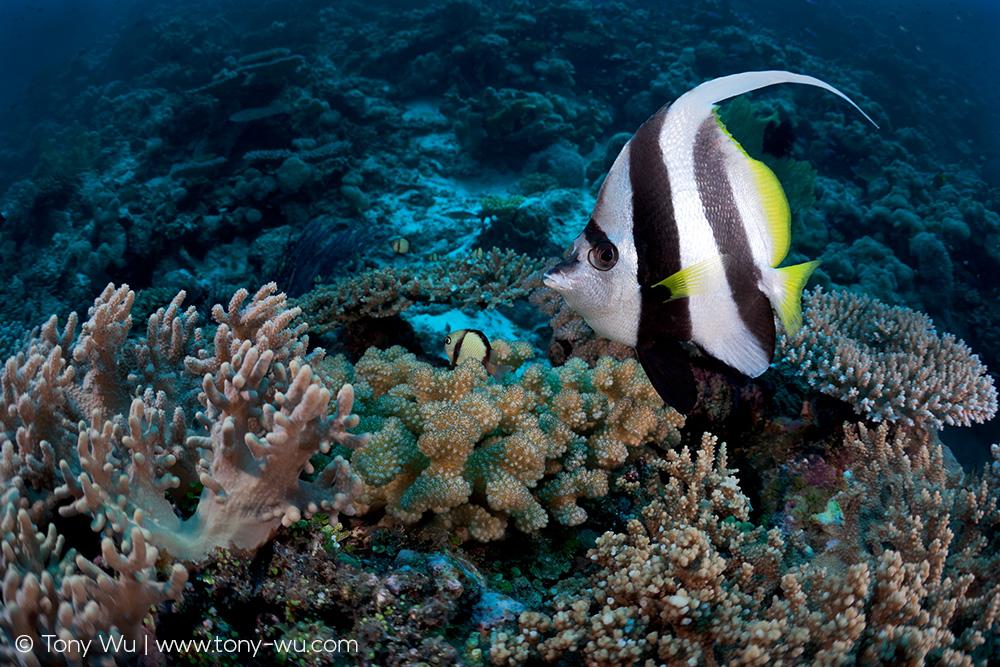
[498, 276]
[936, 538]
[693, 582]
[477, 452]
[888, 362]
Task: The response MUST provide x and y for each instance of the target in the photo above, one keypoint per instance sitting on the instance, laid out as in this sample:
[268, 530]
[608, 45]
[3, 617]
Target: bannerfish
[465, 344]
[684, 244]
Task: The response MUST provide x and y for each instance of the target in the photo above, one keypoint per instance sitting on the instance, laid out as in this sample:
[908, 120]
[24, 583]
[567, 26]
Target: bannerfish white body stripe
[684, 244]
[703, 204]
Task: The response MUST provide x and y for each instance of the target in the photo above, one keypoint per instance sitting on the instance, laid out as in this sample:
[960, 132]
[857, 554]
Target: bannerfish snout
[560, 276]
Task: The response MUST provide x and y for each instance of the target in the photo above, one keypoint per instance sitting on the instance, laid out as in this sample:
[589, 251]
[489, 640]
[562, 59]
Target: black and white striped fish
[472, 344]
[684, 244]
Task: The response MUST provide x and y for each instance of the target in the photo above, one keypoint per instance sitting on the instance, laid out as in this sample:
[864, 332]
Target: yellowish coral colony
[477, 453]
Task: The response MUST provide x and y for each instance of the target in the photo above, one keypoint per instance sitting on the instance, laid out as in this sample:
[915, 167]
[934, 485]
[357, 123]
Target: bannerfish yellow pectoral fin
[785, 293]
[702, 277]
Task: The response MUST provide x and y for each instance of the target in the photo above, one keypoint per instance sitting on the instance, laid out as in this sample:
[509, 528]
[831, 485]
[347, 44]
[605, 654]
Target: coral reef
[476, 281]
[694, 581]
[111, 414]
[183, 177]
[476, 453]
[191, 149]
[894, 553]
[888, 362]
[265, 415]
[73, 599]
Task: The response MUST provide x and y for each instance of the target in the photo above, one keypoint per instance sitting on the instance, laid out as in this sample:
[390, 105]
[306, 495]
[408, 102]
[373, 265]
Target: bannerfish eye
[447, 341]
[603, 256]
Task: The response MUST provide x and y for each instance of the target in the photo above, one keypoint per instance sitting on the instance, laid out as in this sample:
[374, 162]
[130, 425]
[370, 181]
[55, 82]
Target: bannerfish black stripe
[593, 233]
[654, 231]
[719, 204]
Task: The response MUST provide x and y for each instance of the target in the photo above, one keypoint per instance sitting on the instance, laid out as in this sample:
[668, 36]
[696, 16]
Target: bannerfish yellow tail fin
[701, 98]
[702, 277]
[784, 290]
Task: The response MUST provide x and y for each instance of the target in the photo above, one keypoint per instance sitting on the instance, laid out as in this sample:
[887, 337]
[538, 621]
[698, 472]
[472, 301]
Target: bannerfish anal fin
[748, 348]
[668, 367]
[751, 351]
[702, 277]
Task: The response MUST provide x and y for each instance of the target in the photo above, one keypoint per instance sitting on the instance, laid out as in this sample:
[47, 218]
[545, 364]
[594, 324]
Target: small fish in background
[684, 243]
[400, 246]
[463, 344]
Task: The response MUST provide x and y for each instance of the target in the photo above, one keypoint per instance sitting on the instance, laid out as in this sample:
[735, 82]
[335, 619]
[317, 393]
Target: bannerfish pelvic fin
[684, 244]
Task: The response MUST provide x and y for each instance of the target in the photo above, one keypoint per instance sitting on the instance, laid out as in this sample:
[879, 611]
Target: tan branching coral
[98, 350]
[936, 538]
[265, 414]
[38, 412]
[64, 377]
[888, 362]
[477, 452]
[111, 414]
[693, 582]
[68, 597]
[475, 281]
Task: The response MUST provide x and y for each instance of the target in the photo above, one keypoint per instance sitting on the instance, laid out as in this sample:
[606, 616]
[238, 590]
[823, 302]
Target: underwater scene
[482, 332]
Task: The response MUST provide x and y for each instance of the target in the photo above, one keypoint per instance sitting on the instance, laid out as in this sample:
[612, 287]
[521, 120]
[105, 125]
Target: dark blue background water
[950, 49]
